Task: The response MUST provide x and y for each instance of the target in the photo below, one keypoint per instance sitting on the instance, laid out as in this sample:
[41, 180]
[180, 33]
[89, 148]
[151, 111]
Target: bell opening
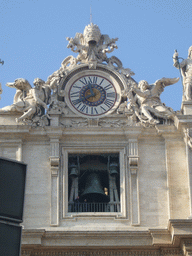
[94, 183]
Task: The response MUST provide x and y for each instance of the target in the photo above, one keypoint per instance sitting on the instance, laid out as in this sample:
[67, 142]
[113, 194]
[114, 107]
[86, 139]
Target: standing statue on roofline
[186, 71]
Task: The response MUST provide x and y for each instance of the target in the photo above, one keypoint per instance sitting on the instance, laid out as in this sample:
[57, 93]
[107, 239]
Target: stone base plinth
[186, 107]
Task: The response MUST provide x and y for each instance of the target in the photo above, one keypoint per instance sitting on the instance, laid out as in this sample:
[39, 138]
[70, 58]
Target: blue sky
[33, 37]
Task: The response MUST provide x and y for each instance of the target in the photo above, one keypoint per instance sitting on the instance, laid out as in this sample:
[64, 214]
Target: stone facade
[151, 142]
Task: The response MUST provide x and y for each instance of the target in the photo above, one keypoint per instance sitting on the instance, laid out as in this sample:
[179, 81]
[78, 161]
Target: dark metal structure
[12, 188]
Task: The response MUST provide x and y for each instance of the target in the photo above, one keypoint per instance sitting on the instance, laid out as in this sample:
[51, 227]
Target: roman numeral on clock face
[109, 103]
[75, 102]
[93, 111]
[83, 108]
[111, 95]
[92, 79]
[90, 110]
[74, 94]
[109, 86]
[83, 80]
[78, 87]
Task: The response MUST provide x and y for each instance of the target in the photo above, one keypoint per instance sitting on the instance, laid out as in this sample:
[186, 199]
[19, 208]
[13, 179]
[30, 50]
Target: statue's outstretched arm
[176, 62]
[140, 93]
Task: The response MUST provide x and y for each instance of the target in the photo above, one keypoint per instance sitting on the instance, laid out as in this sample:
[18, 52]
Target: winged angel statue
[145, 101]
[32, 102]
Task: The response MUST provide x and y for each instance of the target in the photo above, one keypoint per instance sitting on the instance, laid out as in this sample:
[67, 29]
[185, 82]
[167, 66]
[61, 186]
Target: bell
[93, 189]
[74, 171]
[113, 169]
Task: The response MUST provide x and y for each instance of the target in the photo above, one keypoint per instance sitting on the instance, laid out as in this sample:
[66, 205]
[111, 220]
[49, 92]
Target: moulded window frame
[123, 180]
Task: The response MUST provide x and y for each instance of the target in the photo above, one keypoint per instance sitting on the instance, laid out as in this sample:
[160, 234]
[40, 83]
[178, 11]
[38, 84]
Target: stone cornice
[180, 227]
[15, 129]
[177, 231]
[183, 121]
[177, 240]
[91, 238]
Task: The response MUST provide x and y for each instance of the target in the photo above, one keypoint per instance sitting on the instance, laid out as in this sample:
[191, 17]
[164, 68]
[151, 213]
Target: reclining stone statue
[30, 101]
[146, 103]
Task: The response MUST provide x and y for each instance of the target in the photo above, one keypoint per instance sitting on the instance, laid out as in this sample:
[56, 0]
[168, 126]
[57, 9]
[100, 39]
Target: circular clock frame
[93, 93]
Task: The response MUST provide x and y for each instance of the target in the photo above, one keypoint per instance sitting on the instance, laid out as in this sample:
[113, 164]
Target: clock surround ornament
[108, 89]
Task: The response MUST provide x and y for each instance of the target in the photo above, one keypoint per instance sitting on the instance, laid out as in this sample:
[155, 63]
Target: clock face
[93, 95]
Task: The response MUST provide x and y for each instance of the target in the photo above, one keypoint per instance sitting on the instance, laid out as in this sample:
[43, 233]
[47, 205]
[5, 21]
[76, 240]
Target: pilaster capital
[133, 162]
[54, 160]
[54, 134]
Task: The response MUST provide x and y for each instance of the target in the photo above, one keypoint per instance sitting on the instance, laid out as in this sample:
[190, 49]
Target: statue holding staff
[186, 71]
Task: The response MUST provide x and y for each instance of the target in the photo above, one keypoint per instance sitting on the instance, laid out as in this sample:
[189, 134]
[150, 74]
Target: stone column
[133, 166]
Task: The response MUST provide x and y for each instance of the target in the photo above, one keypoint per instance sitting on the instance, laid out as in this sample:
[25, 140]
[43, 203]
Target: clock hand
[82, 99]
[77, 101]
[88, 96]
[91, 90]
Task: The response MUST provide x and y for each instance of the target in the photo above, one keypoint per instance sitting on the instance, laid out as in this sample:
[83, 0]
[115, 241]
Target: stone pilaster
[188, 140]
[133, 166]
[177, 176]
[54, 167]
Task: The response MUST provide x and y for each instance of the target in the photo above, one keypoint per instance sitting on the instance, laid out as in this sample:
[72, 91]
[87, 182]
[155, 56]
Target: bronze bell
[93, 189]
[74, 170]
[113, 169]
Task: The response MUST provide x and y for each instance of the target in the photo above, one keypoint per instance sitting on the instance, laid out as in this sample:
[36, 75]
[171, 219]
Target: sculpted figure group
[28, 100]
[35, 103]
[145, 101]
